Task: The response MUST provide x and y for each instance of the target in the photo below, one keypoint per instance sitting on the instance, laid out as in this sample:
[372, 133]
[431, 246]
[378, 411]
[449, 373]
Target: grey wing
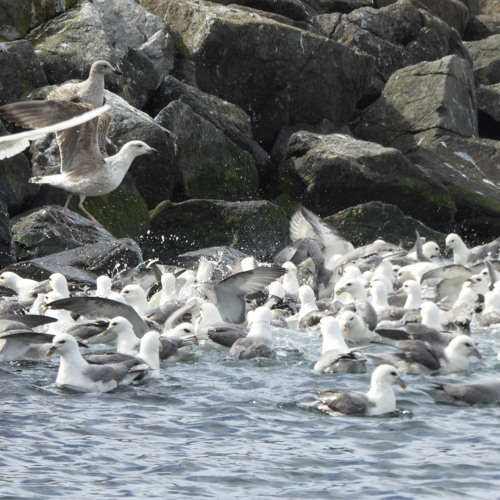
[106, 373]
[348, 403]
[102, 308]
[249, 348]
[111, 358]
[488, 392]
[231, 290]
[226, 336]
[488, 251]
[417, 351]
[367, 312]
[81, 146]
[27, 336]
[30, 320]
[169, 346]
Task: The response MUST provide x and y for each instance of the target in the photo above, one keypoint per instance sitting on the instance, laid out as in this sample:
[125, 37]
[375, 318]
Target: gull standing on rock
[84, 169]
[90, 90]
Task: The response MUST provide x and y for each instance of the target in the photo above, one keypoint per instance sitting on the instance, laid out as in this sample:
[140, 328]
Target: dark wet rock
[7, 253]
[455, 13]
[21, 70]
[485, 55]
[84, 263]
[362, 224]
[396, 36]
[122, 33]
[49, 230]
[329, 173]
[488, 102]
[212, 165]
[17, 18]
[259, 228]
[226, 117]
[15, 191]
[439, 94]
[297, 10]
[265, 67]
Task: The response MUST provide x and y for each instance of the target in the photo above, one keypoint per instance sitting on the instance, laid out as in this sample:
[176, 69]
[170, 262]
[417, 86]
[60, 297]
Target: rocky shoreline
[382, 120]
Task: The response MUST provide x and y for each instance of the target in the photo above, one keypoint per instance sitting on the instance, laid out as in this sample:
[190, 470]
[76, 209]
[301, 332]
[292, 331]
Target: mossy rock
[259, 228]
[367, 222]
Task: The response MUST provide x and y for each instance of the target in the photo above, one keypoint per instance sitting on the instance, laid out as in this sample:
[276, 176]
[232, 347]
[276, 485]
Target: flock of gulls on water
[414, 303]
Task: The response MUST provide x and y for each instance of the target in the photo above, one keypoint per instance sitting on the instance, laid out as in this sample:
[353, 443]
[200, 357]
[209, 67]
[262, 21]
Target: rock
[15, 191]
[49, 230]
[485, 55]
[17, 18]
[453, 12]
[212, 165]
[259, 228]
[265, 67]
[21, 70]
[396, 36]
[226, 117]
[363, 224]
[7, 253]
[129, 25]
[70, 43]
[157, 178]
[488, 103]
[83, 264]
[328, 173]
[439, 94]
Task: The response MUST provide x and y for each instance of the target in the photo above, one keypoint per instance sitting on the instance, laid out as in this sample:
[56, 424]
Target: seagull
[379, 400]
[90, 90]
[336, 356]
[12, 144]
[229, 294]
[77, 374]
[25, 289]
[471, 394]
[465, 256]
[84, 169]
[258, 342]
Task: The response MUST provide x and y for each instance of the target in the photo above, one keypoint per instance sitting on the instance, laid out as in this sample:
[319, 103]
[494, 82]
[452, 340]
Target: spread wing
[45, 117]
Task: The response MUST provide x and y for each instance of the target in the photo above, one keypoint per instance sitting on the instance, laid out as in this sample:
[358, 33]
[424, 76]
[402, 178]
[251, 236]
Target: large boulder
[439, 94]
[266, 67]
[396, 36]
[49, 230]
[7, 253]
[21, 70]
[363, 224]
[15, 191]
[211, 164]
[122, 33]
[259, 228]
[455, 13]
[17, 18]
[231, 120]
[329, 173]
[485, 55]
[83, 264]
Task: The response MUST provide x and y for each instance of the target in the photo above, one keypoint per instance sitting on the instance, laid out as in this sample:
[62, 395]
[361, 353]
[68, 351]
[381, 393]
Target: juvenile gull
[77, 374]
[90, 90]
[84, 169]
[379, 400]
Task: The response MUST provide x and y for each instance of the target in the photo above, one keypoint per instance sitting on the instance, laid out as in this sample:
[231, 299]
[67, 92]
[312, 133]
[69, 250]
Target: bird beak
[401, 383]
[446, 251]
[339, 291]
[51, 351]
[117, 72]
[153, 151]
[160, 348]
[105, 332]
[476, 354]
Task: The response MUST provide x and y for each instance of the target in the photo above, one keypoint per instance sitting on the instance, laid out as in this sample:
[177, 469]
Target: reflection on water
[215, 429]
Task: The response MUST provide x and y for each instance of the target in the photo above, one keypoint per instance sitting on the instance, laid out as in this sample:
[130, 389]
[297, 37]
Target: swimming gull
[471, 394]
[84, 169]
[258, 342]
[336, 356]
[77, 374]
[379, 400]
